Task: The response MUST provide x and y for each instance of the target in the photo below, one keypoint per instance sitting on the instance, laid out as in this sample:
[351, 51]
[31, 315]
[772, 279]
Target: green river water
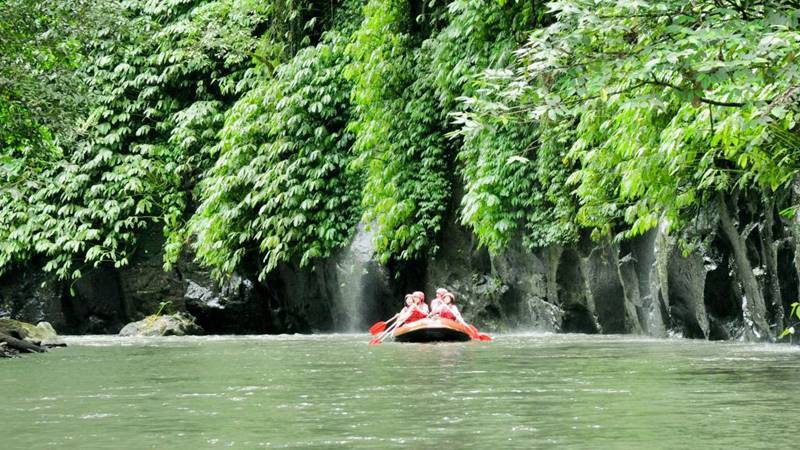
[335, 391]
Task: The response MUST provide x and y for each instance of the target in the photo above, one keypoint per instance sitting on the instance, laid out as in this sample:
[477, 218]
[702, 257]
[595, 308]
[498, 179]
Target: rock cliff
[649, 285]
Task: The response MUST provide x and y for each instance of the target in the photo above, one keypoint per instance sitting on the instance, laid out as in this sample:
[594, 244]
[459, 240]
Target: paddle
[478, 335]
[381, 325]
[385, 334]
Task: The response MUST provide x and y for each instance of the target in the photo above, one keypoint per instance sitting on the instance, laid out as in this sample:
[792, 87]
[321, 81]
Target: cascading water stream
[351, 272]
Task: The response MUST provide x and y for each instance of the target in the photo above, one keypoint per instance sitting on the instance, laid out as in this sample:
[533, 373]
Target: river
[335, 391]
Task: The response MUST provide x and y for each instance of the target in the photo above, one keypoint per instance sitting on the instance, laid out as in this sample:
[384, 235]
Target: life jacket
[415, 315]
[445, 313]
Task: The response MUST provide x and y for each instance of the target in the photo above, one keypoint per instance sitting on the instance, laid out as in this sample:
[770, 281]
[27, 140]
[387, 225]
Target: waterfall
[351, 274]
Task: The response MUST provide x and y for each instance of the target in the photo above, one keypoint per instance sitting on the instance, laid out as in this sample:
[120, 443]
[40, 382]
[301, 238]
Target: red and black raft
[432, 330]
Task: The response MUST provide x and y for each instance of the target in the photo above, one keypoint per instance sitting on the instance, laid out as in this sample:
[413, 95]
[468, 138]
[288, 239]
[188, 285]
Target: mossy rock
[40, 334]
[179, 324]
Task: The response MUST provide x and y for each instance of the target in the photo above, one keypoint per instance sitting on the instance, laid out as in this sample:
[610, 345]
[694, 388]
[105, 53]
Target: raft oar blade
[385, 334]
[377, 328]
[477, 335]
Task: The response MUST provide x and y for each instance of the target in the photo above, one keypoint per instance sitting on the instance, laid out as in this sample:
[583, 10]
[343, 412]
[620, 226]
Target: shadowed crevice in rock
[97, 305]
[578, 305]
[605, 288]
[723, 308]
[787, 276]
[640, 277]
[634, 312]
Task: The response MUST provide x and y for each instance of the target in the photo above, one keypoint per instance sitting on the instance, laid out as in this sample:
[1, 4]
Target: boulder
[41, 334]
[178, 324]
[21, 337]
[48, 336]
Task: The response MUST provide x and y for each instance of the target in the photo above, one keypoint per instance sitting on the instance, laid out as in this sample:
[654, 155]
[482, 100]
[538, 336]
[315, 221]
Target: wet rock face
[30, 295]
[574, 298]
[528, 298]
[789, 284]
[235, 307]
[604, 286]
[579, 289]
[291, 300]
[97, 305]
[465, 269]
[104, 299]
[239, 306]
[643, 286]
[632, 287]
[642, 282]
[93, 304]
[687, 279]
[144, 284]
[333, 296]
[721, 299]
[514, 290]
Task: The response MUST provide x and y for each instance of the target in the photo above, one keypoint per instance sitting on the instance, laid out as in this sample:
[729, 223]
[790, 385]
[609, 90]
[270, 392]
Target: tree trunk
[753, 306]
[20, 345]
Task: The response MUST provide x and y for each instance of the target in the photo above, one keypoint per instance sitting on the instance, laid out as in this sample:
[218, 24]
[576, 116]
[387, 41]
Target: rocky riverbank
[19, 337]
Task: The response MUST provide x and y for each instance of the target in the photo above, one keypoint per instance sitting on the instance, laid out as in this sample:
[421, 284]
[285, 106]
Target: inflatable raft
[432, 330]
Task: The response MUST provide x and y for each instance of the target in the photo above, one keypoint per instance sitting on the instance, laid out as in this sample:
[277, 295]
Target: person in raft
[418, 310]
[406, 311]
[420, 298]
[438, 300]
[448, 310]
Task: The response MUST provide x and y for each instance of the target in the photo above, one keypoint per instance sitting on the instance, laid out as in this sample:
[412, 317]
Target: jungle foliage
[43, 46]
[671, 114]
[256, 133]
[657, 107]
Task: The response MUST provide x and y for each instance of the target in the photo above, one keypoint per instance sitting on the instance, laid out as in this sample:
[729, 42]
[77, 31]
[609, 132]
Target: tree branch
[702, 99]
